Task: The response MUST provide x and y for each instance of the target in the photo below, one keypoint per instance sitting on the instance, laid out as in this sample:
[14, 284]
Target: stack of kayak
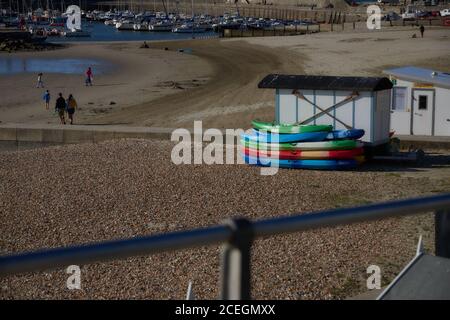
[302, 146]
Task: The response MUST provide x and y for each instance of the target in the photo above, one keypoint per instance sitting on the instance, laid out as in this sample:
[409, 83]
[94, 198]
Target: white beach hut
[344, 102]
[420, 101]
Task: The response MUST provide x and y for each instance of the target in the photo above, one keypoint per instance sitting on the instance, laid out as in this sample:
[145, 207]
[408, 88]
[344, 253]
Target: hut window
[399, 99]
[423, 102]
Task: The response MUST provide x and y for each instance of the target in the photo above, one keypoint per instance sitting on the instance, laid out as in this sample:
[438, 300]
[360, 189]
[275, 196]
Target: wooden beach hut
[344, 102]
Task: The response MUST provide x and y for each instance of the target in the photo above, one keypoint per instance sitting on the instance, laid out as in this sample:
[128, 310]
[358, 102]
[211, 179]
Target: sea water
[13, 65]
[101, 32]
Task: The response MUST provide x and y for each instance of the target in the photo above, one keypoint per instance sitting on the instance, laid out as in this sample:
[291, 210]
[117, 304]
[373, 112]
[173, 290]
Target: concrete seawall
[24, 136]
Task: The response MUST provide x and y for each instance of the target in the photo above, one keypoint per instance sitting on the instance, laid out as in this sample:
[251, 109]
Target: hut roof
[415, 74]
[283, 81]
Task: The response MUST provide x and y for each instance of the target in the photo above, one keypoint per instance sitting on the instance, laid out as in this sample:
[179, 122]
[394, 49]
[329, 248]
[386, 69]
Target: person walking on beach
[422, 30]
[60, 107]
[71, 106]
[46, 98]
[89, 77]
[40, 83]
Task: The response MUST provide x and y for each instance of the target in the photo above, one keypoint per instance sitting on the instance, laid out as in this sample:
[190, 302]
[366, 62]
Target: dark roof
[283, 81]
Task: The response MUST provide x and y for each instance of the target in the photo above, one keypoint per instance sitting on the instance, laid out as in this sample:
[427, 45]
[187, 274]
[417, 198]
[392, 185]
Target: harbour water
[101, 32]
[14, 65]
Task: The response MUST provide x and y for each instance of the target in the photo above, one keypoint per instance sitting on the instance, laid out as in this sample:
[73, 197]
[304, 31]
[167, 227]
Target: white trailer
[420, 101]
[344, 102]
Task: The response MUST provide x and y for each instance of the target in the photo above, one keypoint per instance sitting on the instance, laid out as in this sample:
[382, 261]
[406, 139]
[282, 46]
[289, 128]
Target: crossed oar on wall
[351, 97]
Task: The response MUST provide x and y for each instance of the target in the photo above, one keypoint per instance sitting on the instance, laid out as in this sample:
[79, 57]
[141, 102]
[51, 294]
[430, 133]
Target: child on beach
[46, 98]
[40, 83]
[89, 77]
[71, 105]
[60, 107]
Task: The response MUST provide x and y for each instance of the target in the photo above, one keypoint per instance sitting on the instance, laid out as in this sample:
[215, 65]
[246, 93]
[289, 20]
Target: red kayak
[296, 155]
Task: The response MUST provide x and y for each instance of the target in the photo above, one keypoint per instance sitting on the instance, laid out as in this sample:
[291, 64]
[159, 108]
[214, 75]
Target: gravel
[73, 194]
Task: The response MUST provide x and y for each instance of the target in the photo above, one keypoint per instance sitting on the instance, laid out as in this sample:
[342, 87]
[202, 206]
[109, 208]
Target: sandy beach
[217, 81]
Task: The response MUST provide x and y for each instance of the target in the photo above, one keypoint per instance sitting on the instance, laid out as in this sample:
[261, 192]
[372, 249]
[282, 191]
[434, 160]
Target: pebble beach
[74, 194]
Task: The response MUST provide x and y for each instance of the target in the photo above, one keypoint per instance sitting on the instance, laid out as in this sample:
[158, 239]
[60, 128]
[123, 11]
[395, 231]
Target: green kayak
[321, 145]
[289, 128]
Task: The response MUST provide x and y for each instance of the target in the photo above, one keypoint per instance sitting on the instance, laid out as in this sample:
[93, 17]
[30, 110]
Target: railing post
[442, 233]
[235, 264]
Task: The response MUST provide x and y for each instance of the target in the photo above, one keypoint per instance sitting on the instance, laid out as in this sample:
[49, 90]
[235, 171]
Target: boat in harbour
[125, 25]
[164, 26]
[76, 33]
[189, 28]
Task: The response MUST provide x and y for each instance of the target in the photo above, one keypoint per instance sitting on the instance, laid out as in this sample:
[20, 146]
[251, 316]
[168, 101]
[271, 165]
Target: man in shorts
[60, 107]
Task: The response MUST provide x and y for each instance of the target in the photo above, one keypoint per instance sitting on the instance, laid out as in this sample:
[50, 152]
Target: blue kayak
[345, 134]
[302, 164]
[260, 136]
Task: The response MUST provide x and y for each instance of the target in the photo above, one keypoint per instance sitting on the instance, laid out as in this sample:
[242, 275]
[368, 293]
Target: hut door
[422, 112]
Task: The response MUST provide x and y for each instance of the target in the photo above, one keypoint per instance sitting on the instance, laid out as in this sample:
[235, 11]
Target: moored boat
[189, 28]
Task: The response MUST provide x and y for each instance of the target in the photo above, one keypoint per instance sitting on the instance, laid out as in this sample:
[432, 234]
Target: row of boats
[179, 23]
[44, 24]
[41, 24]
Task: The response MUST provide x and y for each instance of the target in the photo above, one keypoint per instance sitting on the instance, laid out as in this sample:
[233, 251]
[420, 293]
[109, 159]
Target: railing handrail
[120, 249]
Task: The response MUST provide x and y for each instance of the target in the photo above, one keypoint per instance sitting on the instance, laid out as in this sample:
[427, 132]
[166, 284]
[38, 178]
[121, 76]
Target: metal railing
[237, 235]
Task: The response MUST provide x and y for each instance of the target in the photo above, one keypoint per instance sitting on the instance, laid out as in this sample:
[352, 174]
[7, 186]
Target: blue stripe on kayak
[302, 164]
[285, 137]
[345, 134]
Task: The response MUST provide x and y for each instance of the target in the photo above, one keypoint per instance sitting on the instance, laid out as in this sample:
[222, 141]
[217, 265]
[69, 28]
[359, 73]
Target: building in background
[420, 101]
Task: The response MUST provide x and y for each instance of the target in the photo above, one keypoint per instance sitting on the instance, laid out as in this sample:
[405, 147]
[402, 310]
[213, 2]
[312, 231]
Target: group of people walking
[63, 105]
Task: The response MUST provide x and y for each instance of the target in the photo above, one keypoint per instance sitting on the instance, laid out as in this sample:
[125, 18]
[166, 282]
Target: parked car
[445, 13]
[435, 13]
[409, 16]
[391, 16]
[422, 14]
